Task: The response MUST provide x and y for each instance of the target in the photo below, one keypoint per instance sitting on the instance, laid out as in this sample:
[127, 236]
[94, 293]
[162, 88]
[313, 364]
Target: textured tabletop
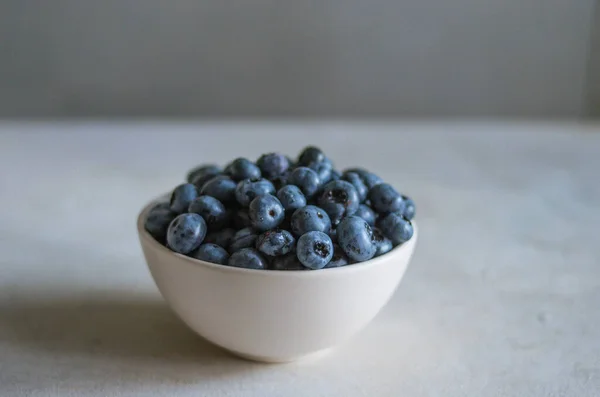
[501, 299]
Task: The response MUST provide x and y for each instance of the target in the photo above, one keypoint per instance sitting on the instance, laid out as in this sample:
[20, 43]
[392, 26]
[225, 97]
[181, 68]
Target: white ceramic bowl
[268, 315]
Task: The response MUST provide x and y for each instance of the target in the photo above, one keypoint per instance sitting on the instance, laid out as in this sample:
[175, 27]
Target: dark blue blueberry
[244, 238]
[186, 232]
[248, 189]
[409, 208]
[281, 180]
[286, 262]
[355, 237]
[369, 178]
[273, 164]
[158, 220]
[212, 210]
[339, 199]
[314, 250]
[221, 238]
[396, 228]
[384, 198]
[182, 196]
[275, 242]
[211, 253]
[199, 175]
[308, 219]
[311, 154]
[266, 212]
[291, 197]
[306, 179]
[358, 184]
[201, 180]
[323, 170]
[242, 168]
[248, 258]
[339, 258]
[382, 243]
[241, 219]
[220, 187]
[365, 212]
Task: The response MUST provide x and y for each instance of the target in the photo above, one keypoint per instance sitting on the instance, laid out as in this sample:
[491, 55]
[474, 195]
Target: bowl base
[280, 360]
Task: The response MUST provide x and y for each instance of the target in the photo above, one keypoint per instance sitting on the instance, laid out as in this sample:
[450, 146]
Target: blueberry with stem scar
[266, 212]
[339, 199]
[308, 219]
[314, 250]
[355, 237]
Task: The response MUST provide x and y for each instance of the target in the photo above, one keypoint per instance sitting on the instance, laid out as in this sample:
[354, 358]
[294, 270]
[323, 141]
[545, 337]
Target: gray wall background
[533, 58]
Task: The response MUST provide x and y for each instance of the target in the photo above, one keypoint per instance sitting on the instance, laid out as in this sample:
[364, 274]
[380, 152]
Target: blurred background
[245, 58]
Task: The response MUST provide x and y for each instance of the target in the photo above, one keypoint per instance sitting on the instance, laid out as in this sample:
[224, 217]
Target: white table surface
[502, 297]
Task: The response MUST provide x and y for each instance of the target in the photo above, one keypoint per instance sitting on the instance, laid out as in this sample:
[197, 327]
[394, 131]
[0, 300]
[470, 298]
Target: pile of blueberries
[278, 214]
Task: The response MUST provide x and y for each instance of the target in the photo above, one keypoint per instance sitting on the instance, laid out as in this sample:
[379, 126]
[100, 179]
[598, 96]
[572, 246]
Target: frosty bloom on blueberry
[282, 214]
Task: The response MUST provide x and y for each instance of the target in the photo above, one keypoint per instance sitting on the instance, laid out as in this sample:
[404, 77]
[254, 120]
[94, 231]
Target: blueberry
[339, 258]
[273, 164]
[158, 220]
[311, 154]
[384, 198]
[369, 178]
[242, 168]
[358, 184]
[286, 262]
[221, 238]
[241, 219]
[355, 237]
[211, 253]
[248, 258]
[244, 238]
[409, 208]
[396, 228]
[220, 187]
[291, 197]
[199, 175]
[306, 179]
[339, 199]
[323, 170]
[186, 232]
[266, 212]
[182, 196]
[365, 212]
[281, 180]
[275, 242]
[308, 219]
[382, 243]
[314, 250]
[212, 210]
[248, 189]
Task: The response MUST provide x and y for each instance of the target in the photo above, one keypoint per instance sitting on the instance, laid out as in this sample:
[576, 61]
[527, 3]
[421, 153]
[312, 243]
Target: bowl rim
[407, 247]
